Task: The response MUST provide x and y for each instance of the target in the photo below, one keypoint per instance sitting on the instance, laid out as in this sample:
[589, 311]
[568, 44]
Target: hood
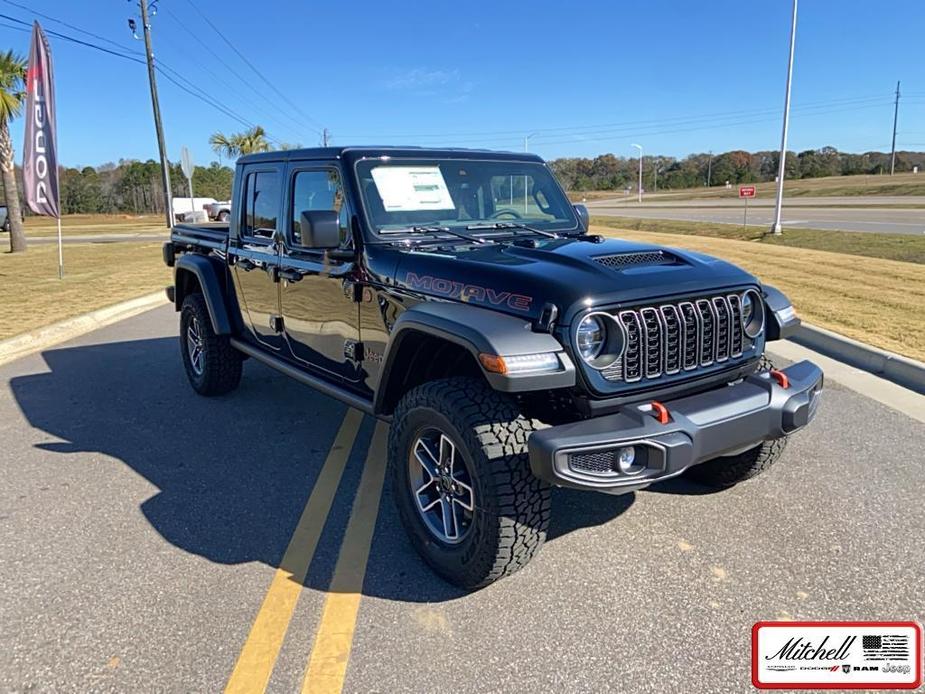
[572, 273]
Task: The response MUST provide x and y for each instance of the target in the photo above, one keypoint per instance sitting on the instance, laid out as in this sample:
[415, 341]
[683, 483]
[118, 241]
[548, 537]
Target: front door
[320, 316]
[255, 254]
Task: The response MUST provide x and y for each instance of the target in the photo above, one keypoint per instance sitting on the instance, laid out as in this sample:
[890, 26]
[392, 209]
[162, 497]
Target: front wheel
[462, 482]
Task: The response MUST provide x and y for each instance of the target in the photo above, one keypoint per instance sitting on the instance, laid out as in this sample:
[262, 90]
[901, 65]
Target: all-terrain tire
[730, 470]
[219, 371]
[512, 506]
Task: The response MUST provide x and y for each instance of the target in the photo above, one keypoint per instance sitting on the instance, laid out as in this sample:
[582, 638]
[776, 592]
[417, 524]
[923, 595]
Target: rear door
[320, 316]
[255, 251]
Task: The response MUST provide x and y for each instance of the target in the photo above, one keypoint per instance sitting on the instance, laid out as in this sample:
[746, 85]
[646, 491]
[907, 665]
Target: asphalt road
[142, 529]
[797, 213]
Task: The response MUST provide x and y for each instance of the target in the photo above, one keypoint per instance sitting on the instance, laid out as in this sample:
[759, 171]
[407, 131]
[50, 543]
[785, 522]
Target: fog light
[626, 456]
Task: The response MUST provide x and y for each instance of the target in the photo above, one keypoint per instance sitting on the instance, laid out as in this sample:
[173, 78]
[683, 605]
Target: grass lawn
[904, 247]
[874, 300]
[900, 184]
[96, 275]
[75, 224]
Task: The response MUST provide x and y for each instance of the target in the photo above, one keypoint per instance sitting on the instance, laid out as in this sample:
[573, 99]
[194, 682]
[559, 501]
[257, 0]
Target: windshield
[460, 193]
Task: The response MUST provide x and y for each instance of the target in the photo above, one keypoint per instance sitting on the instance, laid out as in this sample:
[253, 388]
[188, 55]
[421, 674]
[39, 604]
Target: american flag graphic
[885, 647]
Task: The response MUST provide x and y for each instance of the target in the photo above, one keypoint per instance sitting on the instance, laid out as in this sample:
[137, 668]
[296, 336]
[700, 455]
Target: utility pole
[158, 125]
[655, 176]
[776, 227]
[526, 149]
[895, 119]
[710, 170]
[639, 191]
[325, 136]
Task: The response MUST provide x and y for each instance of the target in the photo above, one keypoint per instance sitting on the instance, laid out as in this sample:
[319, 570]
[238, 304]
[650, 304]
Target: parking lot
[153, 540]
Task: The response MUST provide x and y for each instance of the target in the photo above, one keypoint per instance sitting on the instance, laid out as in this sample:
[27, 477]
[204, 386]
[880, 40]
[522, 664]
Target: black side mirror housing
[584, 217]
[319, 229]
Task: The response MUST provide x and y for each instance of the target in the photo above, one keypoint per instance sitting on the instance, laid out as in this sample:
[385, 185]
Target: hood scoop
[622, 261]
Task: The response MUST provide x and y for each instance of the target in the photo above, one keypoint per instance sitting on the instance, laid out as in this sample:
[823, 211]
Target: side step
[345, 396]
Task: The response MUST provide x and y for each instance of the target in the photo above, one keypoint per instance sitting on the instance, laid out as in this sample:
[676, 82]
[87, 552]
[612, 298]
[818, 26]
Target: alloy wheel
[441, 485]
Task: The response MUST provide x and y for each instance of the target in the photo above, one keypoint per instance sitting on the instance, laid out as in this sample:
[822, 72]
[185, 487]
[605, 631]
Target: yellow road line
[255, 663]
[327, 664]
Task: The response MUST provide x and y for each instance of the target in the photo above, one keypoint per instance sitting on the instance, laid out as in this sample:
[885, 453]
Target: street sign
[186, 162]
[186, 165]
[746, 192]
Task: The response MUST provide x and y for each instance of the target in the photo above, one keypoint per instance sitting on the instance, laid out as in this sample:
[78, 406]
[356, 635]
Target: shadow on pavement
[234, 473]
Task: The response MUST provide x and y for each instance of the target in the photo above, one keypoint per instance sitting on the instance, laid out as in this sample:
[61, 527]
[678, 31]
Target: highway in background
[875, 214]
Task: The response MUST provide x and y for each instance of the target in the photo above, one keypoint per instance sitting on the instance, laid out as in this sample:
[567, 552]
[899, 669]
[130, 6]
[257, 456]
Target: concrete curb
[904, 371]
[36, 340]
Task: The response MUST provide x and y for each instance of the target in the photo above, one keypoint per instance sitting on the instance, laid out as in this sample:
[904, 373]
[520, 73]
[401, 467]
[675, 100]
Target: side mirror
[319, 229]
[584, 217]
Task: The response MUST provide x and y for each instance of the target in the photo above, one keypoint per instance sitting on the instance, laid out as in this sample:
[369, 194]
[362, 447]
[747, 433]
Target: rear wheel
[462, 482]
[223, 216]
[212, 365]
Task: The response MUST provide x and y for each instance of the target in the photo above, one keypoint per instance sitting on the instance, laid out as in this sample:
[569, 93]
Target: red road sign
[747, 191]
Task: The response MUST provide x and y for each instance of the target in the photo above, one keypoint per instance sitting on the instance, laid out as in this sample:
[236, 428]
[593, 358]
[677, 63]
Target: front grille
[619, 261]
[680, 336]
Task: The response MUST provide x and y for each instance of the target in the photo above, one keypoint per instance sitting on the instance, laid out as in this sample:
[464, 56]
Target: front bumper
[583, 455]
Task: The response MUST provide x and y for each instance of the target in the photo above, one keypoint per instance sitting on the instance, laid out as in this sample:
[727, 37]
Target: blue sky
[584, 78]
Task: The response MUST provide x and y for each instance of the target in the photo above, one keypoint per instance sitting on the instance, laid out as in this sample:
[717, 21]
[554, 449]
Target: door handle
[289, 275]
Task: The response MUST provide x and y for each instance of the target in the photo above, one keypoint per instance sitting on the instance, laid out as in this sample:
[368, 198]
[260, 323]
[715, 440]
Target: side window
[318, 190]
[261, 203]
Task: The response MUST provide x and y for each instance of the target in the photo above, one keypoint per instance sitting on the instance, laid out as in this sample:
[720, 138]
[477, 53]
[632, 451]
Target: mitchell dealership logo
[841, 655]
[800, 649]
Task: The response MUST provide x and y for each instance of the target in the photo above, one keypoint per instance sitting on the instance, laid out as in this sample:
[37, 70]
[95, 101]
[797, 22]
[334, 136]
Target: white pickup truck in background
[195, 209]
[220, 211]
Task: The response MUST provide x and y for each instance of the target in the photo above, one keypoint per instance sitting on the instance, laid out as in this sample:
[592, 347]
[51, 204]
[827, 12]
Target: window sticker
[410, 188]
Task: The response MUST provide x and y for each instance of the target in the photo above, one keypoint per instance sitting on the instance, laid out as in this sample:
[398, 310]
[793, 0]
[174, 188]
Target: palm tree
[238, 144]
[222, 145]
[12, 96]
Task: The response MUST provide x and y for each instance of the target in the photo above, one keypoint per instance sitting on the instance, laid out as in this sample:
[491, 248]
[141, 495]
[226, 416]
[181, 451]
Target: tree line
[135, 187]
[610, 172]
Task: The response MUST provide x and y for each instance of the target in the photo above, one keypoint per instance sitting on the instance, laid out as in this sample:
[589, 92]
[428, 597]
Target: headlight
[590, 337]
[600, 340]
[752, 313]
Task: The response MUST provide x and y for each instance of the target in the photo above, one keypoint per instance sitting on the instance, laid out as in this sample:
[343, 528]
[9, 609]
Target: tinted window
[261, 203]
[318, 190]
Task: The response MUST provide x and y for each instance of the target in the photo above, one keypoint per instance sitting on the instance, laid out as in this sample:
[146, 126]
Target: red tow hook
[660, 412]
[781, 378]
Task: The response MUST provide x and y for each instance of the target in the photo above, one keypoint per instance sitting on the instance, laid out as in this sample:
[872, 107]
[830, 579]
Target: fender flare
[478, 330]
[776, 301]
[207, 274]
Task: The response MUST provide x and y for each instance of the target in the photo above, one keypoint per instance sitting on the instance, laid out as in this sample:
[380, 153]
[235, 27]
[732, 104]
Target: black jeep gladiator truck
[459, 295]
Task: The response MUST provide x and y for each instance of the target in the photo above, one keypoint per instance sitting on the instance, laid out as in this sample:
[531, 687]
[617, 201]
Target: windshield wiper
[433, 230]
[514, 226]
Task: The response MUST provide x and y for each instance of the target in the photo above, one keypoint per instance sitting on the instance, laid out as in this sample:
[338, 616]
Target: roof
[354, 153]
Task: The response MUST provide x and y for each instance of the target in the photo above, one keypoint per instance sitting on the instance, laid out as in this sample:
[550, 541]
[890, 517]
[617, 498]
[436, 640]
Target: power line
[235, 73]
[71, 26]
[161, 67]
[628, 125]
[266, 80]
[75, 40]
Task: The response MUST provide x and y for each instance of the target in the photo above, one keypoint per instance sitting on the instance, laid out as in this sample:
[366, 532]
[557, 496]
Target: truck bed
[212, 235]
